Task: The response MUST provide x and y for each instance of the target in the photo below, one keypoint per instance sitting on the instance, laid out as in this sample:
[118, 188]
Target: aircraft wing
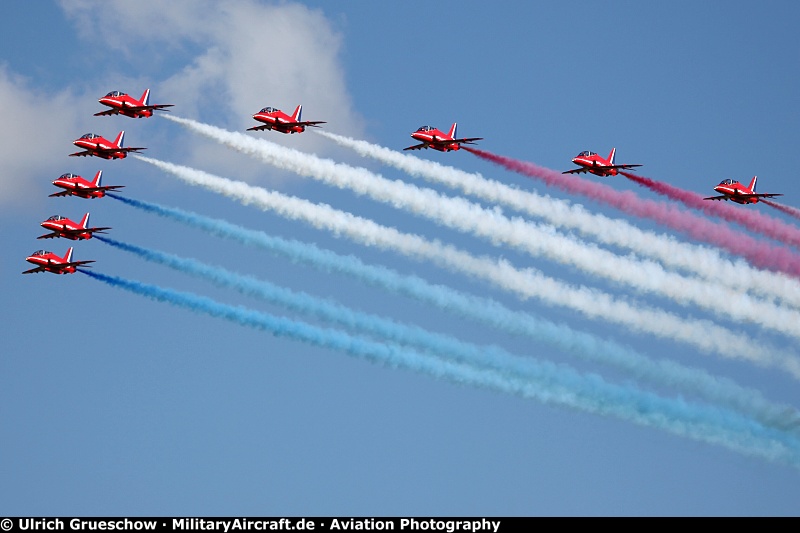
[75, 263]
[764, 195]
[61, 193]
[125, 149]
[107, 112]
[311, 123]
[72, 232]
[621, 167]
[469, 140]
[148, 107]
[416, 147]
[576, 171]
[260, 127]
[723, 197]
[34, 270]
[81, 154]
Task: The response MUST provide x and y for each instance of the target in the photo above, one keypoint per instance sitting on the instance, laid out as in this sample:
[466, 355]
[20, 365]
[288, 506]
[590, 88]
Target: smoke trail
[491, 357]
[791, 211]
[670, 252]
[465, 216]
[556, 385]
[757, 253]
[752, 220]
[559, 336]
[528, 283]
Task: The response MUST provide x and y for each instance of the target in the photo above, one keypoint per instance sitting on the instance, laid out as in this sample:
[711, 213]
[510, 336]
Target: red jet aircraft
[64, 227]
[275, 119]
[124, 104]
[597, 165]
[49, 262]
[75, 185]
[736, 192]
[98, 146]
[438, 140]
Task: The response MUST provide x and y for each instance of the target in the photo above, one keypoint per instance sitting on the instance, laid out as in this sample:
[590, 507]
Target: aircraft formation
[460, 215]
[95, 145]
[273, 119]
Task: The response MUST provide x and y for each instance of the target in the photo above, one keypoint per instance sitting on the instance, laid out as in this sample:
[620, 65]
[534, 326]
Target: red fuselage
[594, 163]
[75, 185]
[736, 192]
[123, 105]
[279, 121]
[66, 228]
[436, 139]
[99, 147]
[50, 262]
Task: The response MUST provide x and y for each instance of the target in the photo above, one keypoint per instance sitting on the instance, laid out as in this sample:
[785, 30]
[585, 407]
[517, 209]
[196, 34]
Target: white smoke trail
[535, 239]
[700, 260]
[694, 381]
[595, 304]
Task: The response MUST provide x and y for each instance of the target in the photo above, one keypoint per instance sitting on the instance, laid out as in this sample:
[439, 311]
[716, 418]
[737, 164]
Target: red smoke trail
[791, 211]
[760, 254]
[752, 220]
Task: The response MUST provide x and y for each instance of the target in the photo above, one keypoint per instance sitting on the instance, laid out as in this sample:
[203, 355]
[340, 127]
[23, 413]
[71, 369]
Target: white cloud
[233, 58]
[35, 138]
[219, 62]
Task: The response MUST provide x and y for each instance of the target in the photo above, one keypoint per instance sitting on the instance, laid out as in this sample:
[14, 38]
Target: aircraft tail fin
[452, 132]
[298, 112]
[97, 178]
[68, 255]
[85, 221]
[145, 99]
[611, 156]
[753, 183]
[120, 138]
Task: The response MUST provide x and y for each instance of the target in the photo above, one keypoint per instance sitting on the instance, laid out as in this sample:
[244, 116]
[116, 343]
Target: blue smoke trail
[560, 336]
[558, 385]
[485, 356]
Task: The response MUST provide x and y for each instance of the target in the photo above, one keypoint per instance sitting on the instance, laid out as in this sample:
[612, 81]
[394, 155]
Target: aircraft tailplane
[753, 183]
[68, 255]
[120, 138]
[145, 99]
[97, 178]
[611, 156]
[85, 221]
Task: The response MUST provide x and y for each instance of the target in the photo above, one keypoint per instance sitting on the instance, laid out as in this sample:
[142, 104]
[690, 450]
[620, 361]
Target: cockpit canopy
[90, 136]
[269, 110]
[728, 182]
[116, 94]
[68, 176]
[56, 218]
[586, 153]
[40, 252]
[425, 128]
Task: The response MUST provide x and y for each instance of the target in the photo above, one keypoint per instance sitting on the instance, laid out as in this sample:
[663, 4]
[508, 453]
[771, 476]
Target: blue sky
[114, 404]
